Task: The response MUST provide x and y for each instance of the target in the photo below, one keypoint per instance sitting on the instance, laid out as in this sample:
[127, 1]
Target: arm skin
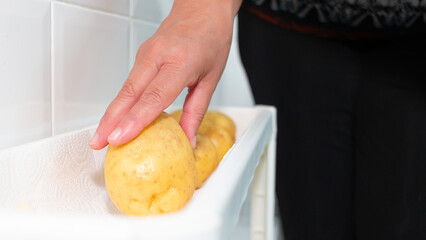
[189, 50]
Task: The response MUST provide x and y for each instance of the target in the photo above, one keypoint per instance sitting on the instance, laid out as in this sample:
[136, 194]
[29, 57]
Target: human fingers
[158, 95]
[195, 106]
[140, 76]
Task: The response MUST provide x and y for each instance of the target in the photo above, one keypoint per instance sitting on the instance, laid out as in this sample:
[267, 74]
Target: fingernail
[94, 139]
[115, 135]
[194, 142]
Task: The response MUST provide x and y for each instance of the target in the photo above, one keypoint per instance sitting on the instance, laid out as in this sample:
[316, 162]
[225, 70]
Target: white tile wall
[141, 32]
[90, 60]
[114, 6]
[234, 86]
[151, 10]
[63, 61]
[24, 71]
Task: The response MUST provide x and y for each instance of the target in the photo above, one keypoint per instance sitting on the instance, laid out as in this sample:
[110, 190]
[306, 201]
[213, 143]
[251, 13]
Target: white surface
[54, 189]
[263, 195]
[242, 229]
[141, 31]
[258, 211]
[270, 225]
[113, 6]
[151, 10]
[90, 64]
[234, 87]
[24, 71]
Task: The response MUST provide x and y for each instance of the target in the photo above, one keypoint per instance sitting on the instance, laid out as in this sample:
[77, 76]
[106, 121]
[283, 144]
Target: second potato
[205, 159]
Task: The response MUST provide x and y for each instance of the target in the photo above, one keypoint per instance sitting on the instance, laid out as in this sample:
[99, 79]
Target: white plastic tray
[54, 189]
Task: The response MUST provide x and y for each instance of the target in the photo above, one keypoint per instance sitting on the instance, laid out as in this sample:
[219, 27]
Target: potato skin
[213, 118]
[218, 127]
[220, 138]
[154, 173]
[222, 121]
[205, 159]
[176, 114]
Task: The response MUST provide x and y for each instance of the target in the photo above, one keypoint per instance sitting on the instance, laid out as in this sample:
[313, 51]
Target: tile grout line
[153, 24]
[132, 20]
[129, 16]
[52, 67]
[131, 33]
[96, 10]
[131, 4]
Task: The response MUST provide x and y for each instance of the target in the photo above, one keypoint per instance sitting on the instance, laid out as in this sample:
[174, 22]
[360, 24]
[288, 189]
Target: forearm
[212, 19]
[233, 5]
[222, 7]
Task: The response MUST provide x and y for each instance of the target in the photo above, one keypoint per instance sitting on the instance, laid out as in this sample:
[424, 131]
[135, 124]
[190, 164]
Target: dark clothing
[351, 158]
[344, 19]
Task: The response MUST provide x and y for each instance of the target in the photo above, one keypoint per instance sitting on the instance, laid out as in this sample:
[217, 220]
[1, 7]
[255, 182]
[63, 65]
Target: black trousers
[351, 158]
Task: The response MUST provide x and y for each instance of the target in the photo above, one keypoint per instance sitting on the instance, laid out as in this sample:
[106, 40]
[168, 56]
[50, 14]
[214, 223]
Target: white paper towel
[59, 174]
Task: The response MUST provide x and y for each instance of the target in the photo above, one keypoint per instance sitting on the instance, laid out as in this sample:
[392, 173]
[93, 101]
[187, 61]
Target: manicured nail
[194, 142]
[115, 135]
[94, 139]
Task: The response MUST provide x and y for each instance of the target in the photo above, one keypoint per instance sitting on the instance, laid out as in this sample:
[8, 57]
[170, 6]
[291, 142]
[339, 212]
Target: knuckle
[157, 45]
[147, 56]
[139, 54]
[108, 117]
[142, 50]
[195, 114]
[134, 116]
[152, 97]
[178, 55]
[171, 49]
[145, 44]
[128, 91]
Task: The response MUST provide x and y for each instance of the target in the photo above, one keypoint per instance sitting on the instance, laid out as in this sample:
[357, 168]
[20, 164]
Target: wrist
[218, 14]
[232, 6]
[228, 7]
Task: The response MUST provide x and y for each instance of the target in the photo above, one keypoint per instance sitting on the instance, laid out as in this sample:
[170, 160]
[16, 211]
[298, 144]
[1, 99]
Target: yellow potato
[221, 139]
[176, 114]
[221, 120]
[205, 159]
[213, 117]
[154, 173]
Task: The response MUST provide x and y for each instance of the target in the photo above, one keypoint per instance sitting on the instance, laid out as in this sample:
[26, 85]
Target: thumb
[194, 108]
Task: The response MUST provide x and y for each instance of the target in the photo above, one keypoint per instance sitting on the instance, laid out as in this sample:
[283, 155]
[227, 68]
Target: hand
[189, 49]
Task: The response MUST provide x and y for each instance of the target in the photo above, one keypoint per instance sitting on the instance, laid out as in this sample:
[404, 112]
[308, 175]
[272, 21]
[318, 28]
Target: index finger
[139, 78]
[160, 93]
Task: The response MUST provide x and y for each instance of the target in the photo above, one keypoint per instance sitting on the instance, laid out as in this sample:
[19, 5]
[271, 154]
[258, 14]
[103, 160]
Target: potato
[154, 173]
[221, 120]
[176, 114]
[205, 159]
[218, 127]
[221, 139]
[215, 118]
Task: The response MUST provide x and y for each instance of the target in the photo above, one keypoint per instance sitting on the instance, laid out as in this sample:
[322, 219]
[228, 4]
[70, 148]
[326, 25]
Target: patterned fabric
[383, 13]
